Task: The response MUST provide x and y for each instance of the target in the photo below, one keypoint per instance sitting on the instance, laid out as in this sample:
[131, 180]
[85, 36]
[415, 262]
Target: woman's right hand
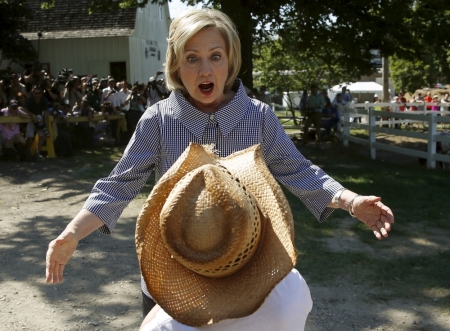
[59, 252]
[62, 248]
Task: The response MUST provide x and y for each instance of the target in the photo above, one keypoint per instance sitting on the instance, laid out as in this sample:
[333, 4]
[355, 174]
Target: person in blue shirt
[208, 106]
[314, 106]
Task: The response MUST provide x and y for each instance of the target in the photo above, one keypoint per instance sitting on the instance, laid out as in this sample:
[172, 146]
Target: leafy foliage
[431, 62]
[410, 75]
[13, 46]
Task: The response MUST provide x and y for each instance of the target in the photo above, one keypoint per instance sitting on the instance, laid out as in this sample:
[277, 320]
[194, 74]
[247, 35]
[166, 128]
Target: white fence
[429, 119]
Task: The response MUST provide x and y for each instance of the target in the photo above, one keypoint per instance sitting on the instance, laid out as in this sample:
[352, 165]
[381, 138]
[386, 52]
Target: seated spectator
[14, 143]
[63, 142]
[413, 107]
[37, 106]
[331, 122]
[436, 103]
[445, 103]
[428, 99]
[402, 99]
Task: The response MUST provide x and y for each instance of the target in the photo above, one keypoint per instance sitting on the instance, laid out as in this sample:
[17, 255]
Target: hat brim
[197, 300]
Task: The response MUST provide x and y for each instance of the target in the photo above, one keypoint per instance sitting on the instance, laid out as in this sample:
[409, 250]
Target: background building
[127, 44]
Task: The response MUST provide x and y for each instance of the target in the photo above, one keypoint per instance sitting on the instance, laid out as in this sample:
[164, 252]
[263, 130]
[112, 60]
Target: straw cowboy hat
[215, 236]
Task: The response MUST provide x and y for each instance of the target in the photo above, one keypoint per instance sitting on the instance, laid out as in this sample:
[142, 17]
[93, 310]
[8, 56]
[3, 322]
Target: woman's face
[204, 69]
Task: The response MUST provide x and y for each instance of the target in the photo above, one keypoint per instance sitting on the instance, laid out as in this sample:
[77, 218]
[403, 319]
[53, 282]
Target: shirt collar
[227, 117]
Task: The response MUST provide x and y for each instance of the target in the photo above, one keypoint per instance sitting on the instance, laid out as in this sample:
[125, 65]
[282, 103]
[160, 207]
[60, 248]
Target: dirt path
[102, 286]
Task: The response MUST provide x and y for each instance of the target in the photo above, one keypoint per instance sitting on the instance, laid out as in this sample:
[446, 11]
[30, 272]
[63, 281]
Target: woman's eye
[191, 59]
[216, 57]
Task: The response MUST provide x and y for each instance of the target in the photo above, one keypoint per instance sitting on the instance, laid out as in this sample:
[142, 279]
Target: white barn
[127, 44]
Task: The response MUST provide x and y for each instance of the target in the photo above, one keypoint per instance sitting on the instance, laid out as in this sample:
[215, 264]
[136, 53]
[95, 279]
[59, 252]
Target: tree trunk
[385, 78]
[240, 14]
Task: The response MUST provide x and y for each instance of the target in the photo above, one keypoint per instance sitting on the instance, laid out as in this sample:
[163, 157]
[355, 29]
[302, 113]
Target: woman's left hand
[372, 212]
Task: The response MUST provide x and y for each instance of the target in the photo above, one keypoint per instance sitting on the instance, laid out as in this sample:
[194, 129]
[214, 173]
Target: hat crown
[210, 222]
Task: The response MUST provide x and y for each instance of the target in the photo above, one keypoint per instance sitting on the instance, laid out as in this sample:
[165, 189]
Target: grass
[418, 197]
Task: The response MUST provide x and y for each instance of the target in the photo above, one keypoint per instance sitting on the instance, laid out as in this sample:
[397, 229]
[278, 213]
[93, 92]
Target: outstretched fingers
[53, 268]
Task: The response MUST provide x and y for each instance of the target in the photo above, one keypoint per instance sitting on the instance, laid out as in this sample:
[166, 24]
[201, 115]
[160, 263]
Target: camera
[63, 76]
[40, 125]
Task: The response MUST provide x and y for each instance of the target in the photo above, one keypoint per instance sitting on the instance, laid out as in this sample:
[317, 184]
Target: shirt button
[212, 117]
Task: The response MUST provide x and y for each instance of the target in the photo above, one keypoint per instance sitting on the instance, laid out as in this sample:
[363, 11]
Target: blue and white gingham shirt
[167, 128]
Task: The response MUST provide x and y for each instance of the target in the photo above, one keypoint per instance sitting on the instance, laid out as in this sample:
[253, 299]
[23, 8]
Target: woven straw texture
[187, 296]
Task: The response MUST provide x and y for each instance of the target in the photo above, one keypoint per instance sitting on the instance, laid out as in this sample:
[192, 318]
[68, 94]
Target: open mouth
[206, 87]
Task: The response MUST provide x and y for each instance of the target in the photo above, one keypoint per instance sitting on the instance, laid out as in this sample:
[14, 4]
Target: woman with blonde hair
[208, 106]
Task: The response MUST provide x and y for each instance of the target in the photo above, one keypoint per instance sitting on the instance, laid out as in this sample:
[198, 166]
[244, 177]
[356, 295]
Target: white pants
[286, 308]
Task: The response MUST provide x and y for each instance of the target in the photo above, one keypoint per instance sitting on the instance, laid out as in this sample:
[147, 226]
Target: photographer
[156, 89]
[32, 76]
[136, 102]
[93, 93]
[72, 92]
[51, 90]
[110, 93]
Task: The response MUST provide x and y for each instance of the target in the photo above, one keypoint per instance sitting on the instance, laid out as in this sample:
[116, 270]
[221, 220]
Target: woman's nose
[205, 68]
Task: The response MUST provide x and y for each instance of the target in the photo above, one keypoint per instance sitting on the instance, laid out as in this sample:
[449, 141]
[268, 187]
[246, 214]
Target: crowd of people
[36, 95]
[419, 102]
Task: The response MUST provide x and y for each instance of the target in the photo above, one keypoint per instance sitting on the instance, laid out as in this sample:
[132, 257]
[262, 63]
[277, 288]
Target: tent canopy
[362, 91]
[360, 87]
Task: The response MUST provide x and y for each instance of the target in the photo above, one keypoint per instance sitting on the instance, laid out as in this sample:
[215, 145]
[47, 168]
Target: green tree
[431, 61]
[350, 30]
[13, 46]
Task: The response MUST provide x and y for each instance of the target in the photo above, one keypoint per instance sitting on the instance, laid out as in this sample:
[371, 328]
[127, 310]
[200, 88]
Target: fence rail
[430, 119]
[51, 127]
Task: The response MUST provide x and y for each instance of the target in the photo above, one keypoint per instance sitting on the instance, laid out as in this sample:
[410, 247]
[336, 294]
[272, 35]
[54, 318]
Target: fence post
[372, 137]
[346, 129]
[431, 148]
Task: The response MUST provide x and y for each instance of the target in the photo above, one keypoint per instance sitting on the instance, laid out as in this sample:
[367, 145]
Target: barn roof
[70, 19]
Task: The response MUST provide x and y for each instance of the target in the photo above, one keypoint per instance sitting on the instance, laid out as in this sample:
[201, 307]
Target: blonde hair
[184, 27]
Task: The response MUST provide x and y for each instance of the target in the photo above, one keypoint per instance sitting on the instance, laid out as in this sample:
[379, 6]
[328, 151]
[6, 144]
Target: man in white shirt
[122, 95]
[110, 94]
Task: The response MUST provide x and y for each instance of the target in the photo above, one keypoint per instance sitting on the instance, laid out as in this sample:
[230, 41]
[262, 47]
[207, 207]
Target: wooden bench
[51, 127]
